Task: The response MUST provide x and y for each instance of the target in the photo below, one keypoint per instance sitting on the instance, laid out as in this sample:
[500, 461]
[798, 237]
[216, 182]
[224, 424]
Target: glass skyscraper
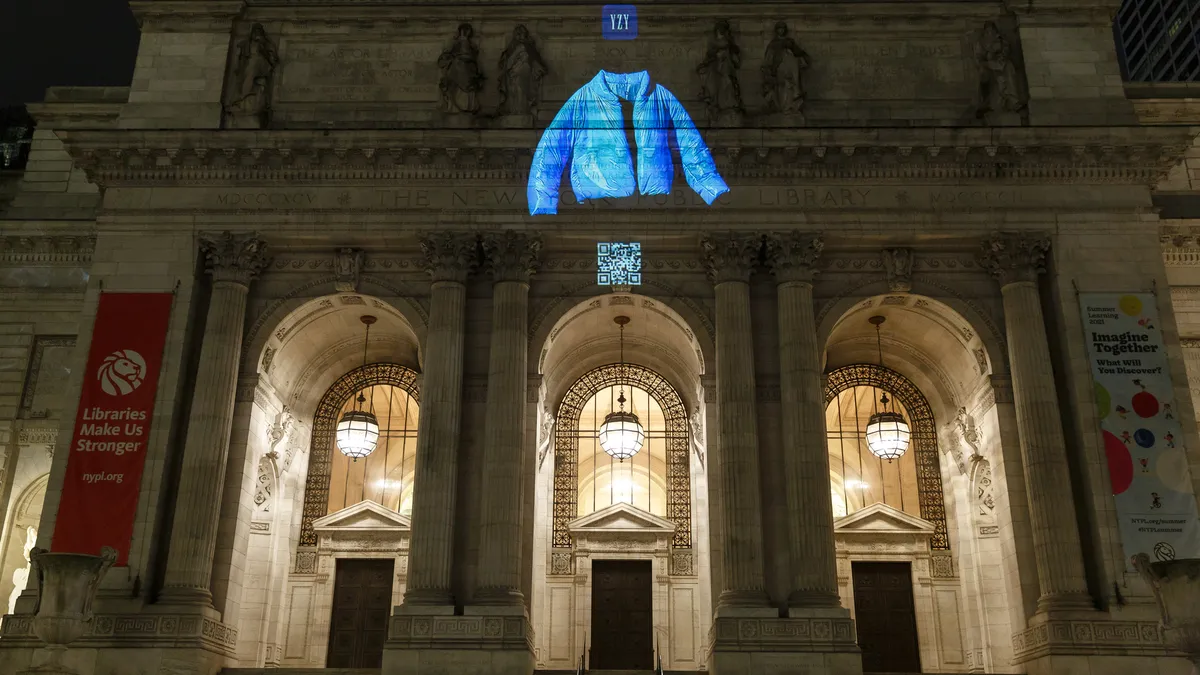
[1159, 40]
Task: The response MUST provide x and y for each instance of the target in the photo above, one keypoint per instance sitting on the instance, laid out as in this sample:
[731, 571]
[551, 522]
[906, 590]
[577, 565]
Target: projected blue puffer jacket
[590, 132]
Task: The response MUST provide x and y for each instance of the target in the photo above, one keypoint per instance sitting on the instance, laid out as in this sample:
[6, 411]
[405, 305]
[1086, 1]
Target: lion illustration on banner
[122, 372]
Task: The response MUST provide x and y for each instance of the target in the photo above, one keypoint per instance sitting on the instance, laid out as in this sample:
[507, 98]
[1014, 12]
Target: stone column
[512, 259]
[1016, 261]
[449, 258]
[731, 259]
[233, 261]
[792, 257]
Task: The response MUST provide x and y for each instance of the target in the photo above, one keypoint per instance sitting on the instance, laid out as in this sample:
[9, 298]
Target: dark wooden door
[622, 615]
[886, 617]
[362, 604]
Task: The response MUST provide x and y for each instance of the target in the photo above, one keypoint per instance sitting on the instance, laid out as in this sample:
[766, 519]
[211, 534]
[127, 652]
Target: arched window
[385, 476]
[640, 480]
[857, 478]
[657, 479]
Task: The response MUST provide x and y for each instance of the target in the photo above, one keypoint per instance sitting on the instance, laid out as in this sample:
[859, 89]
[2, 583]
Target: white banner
[1143, 441]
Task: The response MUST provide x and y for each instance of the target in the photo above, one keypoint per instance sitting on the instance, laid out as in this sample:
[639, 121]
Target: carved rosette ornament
[732, 256]
[512, 256]
[449, 256]
[237, 258]
[1014, 258]
[792, 256]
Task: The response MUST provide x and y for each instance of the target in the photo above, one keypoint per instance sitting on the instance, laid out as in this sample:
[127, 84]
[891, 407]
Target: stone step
[300, 671]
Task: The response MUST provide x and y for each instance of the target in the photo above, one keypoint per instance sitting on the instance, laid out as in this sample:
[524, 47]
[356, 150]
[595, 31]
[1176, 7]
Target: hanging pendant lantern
[358, 430]
[887, 430]
[622, 435]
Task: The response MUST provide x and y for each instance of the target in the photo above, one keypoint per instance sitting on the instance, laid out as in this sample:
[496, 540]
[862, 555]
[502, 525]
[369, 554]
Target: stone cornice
[179, 16]
[1137, 155]
[75, 115]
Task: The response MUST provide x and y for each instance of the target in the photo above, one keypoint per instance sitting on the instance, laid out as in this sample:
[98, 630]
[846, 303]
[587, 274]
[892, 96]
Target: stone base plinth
[147, 642]
[1095, 644]
[458, 645]
[820, 644]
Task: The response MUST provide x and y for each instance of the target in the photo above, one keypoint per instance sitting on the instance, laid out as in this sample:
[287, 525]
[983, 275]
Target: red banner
[112, 427]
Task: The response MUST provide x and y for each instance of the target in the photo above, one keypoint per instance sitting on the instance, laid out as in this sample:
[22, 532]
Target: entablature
[1132, 155]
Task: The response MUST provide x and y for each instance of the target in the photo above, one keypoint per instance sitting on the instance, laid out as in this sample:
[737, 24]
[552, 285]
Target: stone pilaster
[448, 257]
[792, 258]
[731, 259]
[233, 261]
[1016, 261]
[512, 259]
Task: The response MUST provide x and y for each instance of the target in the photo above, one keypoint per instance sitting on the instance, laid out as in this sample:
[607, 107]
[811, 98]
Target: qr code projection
[619, 264]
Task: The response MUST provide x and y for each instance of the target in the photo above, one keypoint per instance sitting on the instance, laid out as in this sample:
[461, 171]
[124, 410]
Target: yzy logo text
[619, 22]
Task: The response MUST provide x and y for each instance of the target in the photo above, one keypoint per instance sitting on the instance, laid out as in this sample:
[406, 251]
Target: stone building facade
[962, 169]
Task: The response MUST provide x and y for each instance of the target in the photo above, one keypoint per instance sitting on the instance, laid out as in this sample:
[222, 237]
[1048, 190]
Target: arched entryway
[352, 557]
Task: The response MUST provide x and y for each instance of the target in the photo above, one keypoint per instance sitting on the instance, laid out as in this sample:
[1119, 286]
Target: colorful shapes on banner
[1144, 438]
[1144, 403]
[1172, 470]
[1120, 463]
[1104, 402]
[1131, 305]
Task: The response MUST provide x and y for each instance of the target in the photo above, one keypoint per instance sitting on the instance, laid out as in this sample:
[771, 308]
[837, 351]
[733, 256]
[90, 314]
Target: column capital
[792, 256]
[234, 257]
[1012, 258]
[449, 256]
[512, 256]
[731, 256]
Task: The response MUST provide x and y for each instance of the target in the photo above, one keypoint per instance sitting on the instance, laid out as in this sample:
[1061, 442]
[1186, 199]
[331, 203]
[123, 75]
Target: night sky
[47, 43]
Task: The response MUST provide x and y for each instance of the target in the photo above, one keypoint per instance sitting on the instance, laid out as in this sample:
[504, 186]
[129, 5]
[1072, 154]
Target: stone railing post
[233, 260]
[448, 257]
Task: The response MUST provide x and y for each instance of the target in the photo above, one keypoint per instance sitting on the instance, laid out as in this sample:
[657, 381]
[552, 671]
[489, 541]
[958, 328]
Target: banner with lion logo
[1140, 425]
[112, 427]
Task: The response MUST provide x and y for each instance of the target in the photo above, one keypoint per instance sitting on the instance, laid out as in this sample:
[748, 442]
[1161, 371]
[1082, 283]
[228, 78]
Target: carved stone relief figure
[719, 87]
[545, 436]
[969, 432]
[347, 266]
[249, 106]
[898, 263]
[521, 73]
[999, 100]
[279, 428]
[784, 63]
[697, 425]
[461, 77]
[20, 577]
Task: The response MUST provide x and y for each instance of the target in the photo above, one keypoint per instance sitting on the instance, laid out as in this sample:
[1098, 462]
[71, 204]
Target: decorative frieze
[479, 632]
[1140, 156]
[136, 631]
[40, 250]
[1085, 637]
[729, 634]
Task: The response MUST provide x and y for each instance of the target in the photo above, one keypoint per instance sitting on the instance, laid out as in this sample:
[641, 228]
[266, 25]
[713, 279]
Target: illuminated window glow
[619, 264]
[386, 475]
[858, 478]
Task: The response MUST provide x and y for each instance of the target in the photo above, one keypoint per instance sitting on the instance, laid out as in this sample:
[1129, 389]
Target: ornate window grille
[566, 448]
[923, 440]
[320, 461]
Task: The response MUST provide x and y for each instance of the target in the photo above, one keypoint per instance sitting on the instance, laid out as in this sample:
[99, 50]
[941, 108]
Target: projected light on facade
[589, 134]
